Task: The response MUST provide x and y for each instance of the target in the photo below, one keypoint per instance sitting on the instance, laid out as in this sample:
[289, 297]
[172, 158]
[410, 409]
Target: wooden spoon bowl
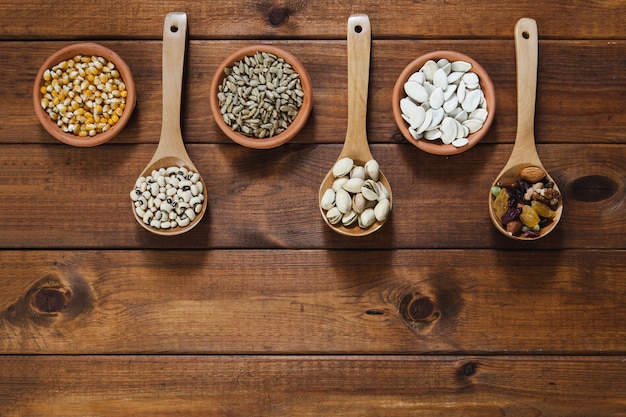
[171, 149]
[524, 152]
[356, 145]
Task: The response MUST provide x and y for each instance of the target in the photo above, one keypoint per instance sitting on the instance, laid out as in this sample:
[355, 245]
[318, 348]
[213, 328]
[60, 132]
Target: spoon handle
[359, 45]
[174, 42]
[526, 50]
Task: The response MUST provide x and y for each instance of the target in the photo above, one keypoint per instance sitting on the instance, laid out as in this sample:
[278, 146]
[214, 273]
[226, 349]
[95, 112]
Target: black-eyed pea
[190, 213]
[183, 221]
[140, 212]
[147, 217]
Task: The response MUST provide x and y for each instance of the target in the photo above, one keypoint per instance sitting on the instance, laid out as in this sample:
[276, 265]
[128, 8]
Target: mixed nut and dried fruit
[527, 204]
[85, 95]
[444, 101]
[357, 195]
[260, 95]
[168, 198]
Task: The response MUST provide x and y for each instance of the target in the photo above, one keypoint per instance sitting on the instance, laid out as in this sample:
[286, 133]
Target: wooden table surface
[262, 309]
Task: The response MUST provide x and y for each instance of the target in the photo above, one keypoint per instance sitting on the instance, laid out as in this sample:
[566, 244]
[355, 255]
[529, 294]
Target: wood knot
[398, 137]
[419, 308]
[466, 370]
[50, 298]
[278, 15]
[593, 188]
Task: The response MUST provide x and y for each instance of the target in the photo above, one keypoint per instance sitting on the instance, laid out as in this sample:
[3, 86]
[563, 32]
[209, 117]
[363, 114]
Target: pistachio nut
[382, 209]
[334, 215]
[328, 199]
[382, 191]
[359, 203]
[372, 169]
[358, 172]
[349, 218]
[353, 185]
[343, 201]
[338, 183]
[370, 190]
[342, 167]
[367, 218]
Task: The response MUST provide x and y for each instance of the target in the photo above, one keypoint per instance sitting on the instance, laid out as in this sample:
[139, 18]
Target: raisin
[501, 203]
[529, 217]
[510, 215]
[541, 209]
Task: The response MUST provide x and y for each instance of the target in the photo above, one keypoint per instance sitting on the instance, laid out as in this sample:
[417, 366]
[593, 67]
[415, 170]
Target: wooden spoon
[524, 152]
[355, 145]
[171, 150]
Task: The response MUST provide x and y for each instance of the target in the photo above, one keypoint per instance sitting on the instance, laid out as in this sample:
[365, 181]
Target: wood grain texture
[311, 386]
[293, 302]
[261, 309]
[247, 19]
[65, 197]
[580, 85]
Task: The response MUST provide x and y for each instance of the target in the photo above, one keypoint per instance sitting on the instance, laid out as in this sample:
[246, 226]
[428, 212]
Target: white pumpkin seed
[461, 66]
[416, 91]
[458, 143]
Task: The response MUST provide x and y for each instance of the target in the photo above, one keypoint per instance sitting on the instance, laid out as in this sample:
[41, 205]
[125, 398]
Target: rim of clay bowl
[436, 147]
[84, 48]
[303, 113]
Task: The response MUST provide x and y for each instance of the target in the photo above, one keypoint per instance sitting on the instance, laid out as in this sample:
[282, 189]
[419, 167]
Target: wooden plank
[333, 302]
[564, 114]
[143, 19]
[65, 197]
[312, 385]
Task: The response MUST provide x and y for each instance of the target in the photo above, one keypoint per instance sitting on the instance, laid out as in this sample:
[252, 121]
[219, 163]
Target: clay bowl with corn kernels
[84, 94]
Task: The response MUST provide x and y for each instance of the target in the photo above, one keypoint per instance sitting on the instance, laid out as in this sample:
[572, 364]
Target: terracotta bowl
[296, 125]
[67, 53]
[436, 146]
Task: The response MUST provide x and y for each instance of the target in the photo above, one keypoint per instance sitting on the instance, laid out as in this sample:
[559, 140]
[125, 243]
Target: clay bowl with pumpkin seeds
[261, 96]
